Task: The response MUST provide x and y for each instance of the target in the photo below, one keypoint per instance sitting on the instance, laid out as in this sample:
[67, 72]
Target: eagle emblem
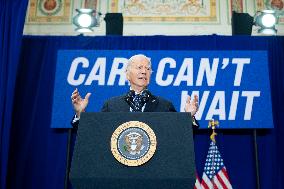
[133, 143]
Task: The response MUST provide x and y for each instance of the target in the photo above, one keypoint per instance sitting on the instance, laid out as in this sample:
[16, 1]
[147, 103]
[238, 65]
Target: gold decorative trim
[121, 147]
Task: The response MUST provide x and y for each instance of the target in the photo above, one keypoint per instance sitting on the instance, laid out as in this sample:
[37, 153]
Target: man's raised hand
[79, 103]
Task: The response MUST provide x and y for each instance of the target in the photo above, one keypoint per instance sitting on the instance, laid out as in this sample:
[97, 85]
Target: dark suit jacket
[118, 104]
[155, 104]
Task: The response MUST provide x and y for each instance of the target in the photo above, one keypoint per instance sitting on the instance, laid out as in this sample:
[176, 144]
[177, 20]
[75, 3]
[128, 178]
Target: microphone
[145, 96]
[129, 98]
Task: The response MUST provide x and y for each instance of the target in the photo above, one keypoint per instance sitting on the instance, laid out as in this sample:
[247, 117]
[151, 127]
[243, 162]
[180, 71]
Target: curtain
[12, 17]
[37, 156]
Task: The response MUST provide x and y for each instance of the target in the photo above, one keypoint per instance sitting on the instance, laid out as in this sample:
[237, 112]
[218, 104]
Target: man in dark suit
[138, 99]
[153, 104]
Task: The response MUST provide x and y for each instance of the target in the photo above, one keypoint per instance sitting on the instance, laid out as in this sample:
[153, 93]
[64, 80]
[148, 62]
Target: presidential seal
[133, 143]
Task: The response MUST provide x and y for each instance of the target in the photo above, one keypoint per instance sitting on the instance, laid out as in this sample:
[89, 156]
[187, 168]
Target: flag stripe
[221, 180]
[217, 183]
[225, 178]
[197, 182]
[197, 185]
[204, 185]
[214, 185]
[225, 172]
[207, 183]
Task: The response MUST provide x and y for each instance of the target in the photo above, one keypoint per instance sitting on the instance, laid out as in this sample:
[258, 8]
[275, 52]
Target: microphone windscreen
[146, 95]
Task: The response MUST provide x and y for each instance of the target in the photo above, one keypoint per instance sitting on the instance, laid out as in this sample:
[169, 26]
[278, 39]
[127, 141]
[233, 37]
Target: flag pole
[256, 158]
[215, 172]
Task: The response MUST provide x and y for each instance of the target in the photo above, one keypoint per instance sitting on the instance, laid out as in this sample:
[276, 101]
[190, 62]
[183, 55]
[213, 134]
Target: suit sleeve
[105, 107]
[75, 122]
[171, 108]
[195, 124]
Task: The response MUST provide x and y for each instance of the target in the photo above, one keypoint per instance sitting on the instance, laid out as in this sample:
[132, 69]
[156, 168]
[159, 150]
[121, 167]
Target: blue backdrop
[233, 86]
[37, 152]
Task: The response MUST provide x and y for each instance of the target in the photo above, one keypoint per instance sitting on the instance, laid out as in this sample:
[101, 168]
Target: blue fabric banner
[233, 86]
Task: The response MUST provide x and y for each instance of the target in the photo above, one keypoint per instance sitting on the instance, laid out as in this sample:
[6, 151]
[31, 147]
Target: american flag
[197, 182]
[215, 174]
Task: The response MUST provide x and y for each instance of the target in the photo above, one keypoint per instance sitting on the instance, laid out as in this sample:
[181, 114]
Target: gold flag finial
[213, 124]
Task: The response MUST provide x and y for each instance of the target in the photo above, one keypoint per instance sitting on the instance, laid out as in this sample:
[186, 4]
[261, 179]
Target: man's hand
[79, 104]
[191, 105]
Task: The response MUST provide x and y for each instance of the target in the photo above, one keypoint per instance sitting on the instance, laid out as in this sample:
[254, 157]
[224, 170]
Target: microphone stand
[68, 153]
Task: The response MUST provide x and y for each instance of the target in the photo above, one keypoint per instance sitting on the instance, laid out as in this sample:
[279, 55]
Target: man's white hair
[132, 58]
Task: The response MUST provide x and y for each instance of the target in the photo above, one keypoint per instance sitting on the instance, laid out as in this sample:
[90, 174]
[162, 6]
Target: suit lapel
[151, 104]
[124, 107]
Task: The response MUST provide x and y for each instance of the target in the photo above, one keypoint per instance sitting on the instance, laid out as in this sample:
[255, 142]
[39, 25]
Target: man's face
[139, 74]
